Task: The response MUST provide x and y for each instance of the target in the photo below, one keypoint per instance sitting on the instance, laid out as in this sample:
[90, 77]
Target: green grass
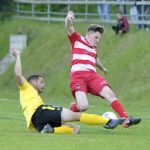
[127, 59]
[14, 134]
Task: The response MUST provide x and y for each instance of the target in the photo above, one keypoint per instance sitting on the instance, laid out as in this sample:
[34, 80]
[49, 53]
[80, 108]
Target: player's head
[94, 34]
[37, 82]
[119, 14]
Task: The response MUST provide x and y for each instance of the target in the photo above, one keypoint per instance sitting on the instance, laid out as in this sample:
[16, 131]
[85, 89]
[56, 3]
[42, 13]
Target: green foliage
[8, 28]
[25, 7]
[6, 9]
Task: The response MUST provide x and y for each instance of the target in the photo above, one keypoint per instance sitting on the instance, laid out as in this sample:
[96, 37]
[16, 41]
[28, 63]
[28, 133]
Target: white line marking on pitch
[8, 99]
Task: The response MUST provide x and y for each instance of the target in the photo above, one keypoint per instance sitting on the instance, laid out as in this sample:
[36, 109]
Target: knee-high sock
[93, 119]
[64, 129]
[116, 106]
[74, 108]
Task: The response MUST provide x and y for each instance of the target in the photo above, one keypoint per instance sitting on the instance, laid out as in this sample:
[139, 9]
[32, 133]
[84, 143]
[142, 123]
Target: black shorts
[47, 114]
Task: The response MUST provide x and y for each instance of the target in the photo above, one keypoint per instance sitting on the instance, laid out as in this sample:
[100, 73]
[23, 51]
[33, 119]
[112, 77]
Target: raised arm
[100, 65]
[69, 22]
[18, 69]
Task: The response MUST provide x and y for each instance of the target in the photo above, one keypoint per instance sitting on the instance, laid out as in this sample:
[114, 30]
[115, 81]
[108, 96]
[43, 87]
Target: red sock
[116, 106]
[74, 107]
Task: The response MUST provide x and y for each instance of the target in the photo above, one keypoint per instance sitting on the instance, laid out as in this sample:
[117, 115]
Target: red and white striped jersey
[83, 56]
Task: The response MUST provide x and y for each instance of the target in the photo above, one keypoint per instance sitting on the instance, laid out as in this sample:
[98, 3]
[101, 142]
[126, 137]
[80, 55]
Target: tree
[6, 8]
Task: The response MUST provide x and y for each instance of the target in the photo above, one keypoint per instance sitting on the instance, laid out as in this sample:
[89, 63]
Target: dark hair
[96, 27]
[33, 77]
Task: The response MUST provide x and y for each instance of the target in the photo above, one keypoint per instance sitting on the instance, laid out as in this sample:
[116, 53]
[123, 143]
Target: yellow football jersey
[30, 101]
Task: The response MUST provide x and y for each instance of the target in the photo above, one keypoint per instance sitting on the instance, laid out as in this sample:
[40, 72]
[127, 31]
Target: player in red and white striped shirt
[83, 77]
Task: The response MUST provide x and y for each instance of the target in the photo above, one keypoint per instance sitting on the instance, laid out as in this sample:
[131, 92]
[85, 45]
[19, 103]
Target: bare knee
[83, 107]
[82, 101]
[108, 94]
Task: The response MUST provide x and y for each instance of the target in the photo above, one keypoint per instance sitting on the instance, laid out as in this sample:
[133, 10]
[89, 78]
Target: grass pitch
[14, 135]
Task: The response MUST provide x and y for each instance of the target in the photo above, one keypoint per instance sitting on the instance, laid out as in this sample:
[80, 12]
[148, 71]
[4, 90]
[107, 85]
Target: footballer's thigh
[68, 115]
[82, 101]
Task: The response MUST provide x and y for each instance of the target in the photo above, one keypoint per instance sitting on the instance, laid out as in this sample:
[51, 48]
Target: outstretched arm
[17, 69]
[100, 65]
[69, 23]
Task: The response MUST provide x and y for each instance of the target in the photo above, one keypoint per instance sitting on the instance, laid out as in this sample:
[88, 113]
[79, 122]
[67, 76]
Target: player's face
[94, 38]
[40, 84]
[119, 16]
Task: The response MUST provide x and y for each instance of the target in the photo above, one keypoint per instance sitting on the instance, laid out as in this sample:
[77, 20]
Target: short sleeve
[24, 86]
[74, 37]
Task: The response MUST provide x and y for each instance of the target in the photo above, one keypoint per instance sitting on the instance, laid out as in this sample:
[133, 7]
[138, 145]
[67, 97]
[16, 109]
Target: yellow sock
[63, 129]
[93, 119]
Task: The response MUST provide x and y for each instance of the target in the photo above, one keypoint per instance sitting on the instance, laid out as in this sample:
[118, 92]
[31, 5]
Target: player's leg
[47, 119]
[99, 86]
[52, 116]
[81, 102]
[109, 95]
[68, 115]
[63, 129]
[78, 87]
[67, 129]
[76, 128]
[91, 119]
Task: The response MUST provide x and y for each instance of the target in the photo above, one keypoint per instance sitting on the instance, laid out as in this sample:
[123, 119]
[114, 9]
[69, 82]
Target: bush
[6, 8]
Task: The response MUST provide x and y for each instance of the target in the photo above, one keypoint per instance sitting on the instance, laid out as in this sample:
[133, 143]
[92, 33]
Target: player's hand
[105, 70]
[70, 16]
[14, 52]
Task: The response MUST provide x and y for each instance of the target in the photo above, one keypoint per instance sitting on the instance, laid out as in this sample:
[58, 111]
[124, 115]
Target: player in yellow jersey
[47, 118]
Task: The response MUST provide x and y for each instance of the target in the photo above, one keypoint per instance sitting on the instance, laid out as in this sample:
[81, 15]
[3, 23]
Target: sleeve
[24, 86]
[74, 37]
[125, 23]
